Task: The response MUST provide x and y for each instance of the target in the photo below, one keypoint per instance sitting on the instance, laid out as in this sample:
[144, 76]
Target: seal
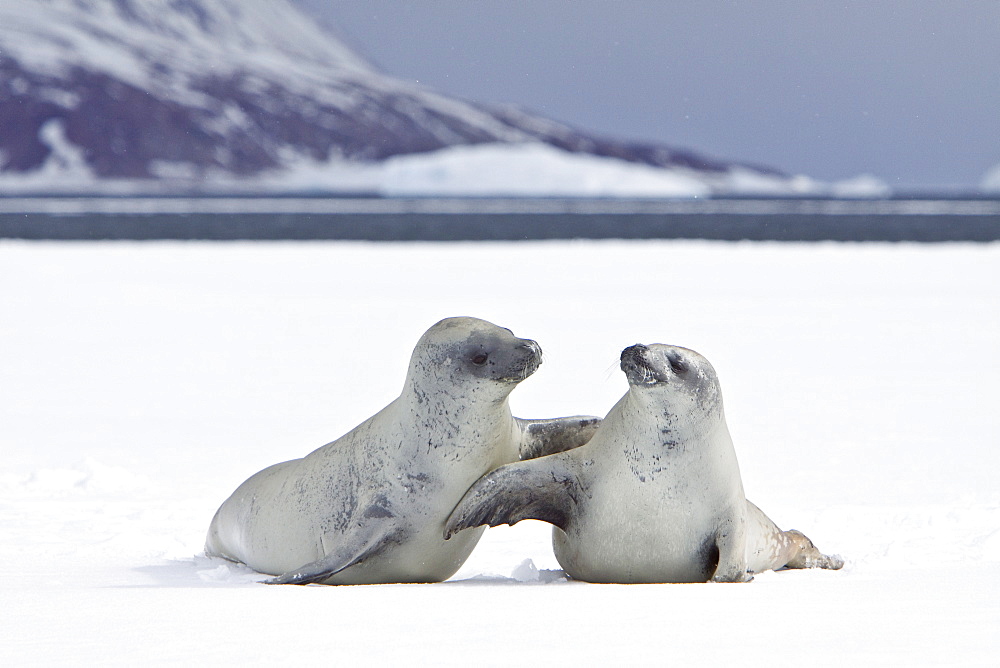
[655, 495]
[370, 506]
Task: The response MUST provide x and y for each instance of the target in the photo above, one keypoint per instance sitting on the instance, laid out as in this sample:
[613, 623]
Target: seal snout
[636, 365]
[633, 352]
[534, 357]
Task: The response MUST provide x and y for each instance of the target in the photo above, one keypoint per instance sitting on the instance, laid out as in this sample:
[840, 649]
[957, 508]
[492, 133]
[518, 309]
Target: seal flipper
[770, 548]
[540, 489]
[809, 556]
[547, 437]
[730, 543]
[340, 559]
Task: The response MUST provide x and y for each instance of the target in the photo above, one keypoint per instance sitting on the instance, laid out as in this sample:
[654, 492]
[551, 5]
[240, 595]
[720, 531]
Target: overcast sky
[907, 90]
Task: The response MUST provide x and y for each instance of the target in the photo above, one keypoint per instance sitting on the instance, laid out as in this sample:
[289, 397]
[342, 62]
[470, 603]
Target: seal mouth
[637, 367]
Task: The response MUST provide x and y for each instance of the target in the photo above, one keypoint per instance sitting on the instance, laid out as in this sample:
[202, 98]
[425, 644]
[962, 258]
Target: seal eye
[480, 359]
[677, 365]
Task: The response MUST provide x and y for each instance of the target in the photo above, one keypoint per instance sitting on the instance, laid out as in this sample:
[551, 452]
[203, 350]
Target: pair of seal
[370, 507]
[655, 495]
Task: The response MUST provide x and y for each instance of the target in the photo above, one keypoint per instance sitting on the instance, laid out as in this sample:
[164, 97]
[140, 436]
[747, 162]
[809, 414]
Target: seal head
[467, 347]
[674, 378]
[486, 361]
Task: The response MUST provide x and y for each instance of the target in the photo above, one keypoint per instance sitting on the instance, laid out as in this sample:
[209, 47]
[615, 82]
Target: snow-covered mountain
[215, 93]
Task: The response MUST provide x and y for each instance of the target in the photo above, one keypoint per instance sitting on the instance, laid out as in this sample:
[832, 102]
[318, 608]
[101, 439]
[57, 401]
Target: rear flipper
[808, 556]
[346, 555]
[770, 548]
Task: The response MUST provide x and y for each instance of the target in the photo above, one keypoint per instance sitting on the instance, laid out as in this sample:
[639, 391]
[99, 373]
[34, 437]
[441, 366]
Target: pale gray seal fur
[655, 496]
[370, 506]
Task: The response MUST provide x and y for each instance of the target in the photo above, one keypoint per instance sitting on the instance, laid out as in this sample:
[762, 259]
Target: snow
[531, 169]
[127, 39]
[862, 185]
[142, 382]
[528, 169]
[66, 158]
[535, 169]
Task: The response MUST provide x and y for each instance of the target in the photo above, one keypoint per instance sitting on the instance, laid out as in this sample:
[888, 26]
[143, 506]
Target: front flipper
[336, 561]
[547, 437]
[731, 547]
[544, 489]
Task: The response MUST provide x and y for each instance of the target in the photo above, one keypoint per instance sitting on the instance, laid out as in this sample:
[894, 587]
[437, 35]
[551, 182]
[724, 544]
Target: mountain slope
[187, 90]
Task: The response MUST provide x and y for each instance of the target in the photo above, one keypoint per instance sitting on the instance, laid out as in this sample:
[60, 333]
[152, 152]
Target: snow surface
[142, 383]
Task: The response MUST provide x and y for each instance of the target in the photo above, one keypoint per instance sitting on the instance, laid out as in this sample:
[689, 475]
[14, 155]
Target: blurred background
[853, 98]
[906, 90]
[627, 101]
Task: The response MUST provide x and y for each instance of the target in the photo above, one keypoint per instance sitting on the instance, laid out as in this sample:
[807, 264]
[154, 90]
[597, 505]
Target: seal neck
[461, 424]
[654, 424]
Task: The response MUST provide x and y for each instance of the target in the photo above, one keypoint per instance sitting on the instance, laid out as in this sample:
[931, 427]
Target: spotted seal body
[655, 496]
[370, 506]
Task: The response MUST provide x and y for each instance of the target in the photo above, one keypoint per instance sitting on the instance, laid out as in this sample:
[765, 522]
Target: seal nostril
[634, 352]
[533, 348]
